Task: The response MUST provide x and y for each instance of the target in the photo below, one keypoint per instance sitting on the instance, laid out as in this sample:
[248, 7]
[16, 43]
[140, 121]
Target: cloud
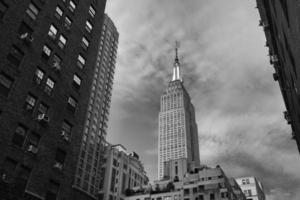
[227, 74]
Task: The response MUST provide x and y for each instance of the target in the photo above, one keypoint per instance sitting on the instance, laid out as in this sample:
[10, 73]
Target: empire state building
[178, 134]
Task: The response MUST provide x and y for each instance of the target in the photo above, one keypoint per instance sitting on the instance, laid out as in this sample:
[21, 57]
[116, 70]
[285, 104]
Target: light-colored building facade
[121, 171]
[252, 188]
[88, 173]
[178, 134]
[203, 184]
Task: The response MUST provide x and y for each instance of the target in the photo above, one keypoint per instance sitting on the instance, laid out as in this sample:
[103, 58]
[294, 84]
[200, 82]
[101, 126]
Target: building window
[72, 104]
[201, 197]
[62, 41]
[19, 136]
[186, 191]
[76, 81]
[43, 109]
[212, 196]
[92, 11]
[46, 51]
[53, 189]
[30, 103]
[224, 194]
[25, 31]
[22, 178]
[3, 9]
[34, 139]
[58, 12]
[68, 23]
[80, 61]
[52, 32]
[88, 26]
[8, 169]
[72, 6]
[66, 128]
[60, 156]
[39, 75]
[5, 84]
[15, 56]
[32, 11]
[85, 43]
[57, 62]
[49, 86]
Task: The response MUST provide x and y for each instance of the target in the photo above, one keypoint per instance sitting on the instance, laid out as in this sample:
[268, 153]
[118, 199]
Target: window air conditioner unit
[32, 149]
[43, 118]
[65, 136]
[56, 66]
[26, 37]
[58, 166]
[274, 59]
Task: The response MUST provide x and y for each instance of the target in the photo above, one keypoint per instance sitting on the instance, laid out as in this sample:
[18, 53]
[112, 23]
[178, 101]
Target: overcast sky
[226, 71]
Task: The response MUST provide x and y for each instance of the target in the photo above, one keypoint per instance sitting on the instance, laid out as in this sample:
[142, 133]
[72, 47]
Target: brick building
[252, 188]
[48, 56]
[280, 22]
[121, 171]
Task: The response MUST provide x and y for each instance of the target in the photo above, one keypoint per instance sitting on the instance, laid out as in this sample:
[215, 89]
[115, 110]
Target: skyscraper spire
[176, 68]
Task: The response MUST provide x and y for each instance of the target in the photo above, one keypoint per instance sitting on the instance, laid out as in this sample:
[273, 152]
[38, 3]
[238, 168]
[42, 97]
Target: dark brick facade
[30, 162]
[280, 20]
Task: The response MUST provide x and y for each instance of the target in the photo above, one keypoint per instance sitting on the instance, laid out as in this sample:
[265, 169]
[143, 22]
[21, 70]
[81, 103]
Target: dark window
[49, 86]
[58, 12]
[43, 109]
[53, 189]
[62, 41]
[113, 177]
[72, 6]
[186, 191]
[212, 196]
[34, 139]
[72, 104]
[68, 23]
[76, 81]
[21, 180]
[201, 197]
[32, 11]
[194, 190]
[60, 156]
[46, 51]
[57, 62]
[66, 128]
[3, 9]
[92, 11]
[115, 163]
[19, 136]
[15, 55]
[8, 169]
[30, 103]
[25, 31]
[38, 76]
[5, 84]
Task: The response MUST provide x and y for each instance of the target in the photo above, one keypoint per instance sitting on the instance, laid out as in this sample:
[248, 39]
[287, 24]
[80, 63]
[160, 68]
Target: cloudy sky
[227, 73]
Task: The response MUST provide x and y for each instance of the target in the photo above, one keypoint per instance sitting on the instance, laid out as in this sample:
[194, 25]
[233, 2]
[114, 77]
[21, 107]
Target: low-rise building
[203, 183]
[121, 171]
[252, 188]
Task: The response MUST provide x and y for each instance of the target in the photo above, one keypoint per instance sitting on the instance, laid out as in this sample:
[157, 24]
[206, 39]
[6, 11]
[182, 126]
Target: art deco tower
[178, 135]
